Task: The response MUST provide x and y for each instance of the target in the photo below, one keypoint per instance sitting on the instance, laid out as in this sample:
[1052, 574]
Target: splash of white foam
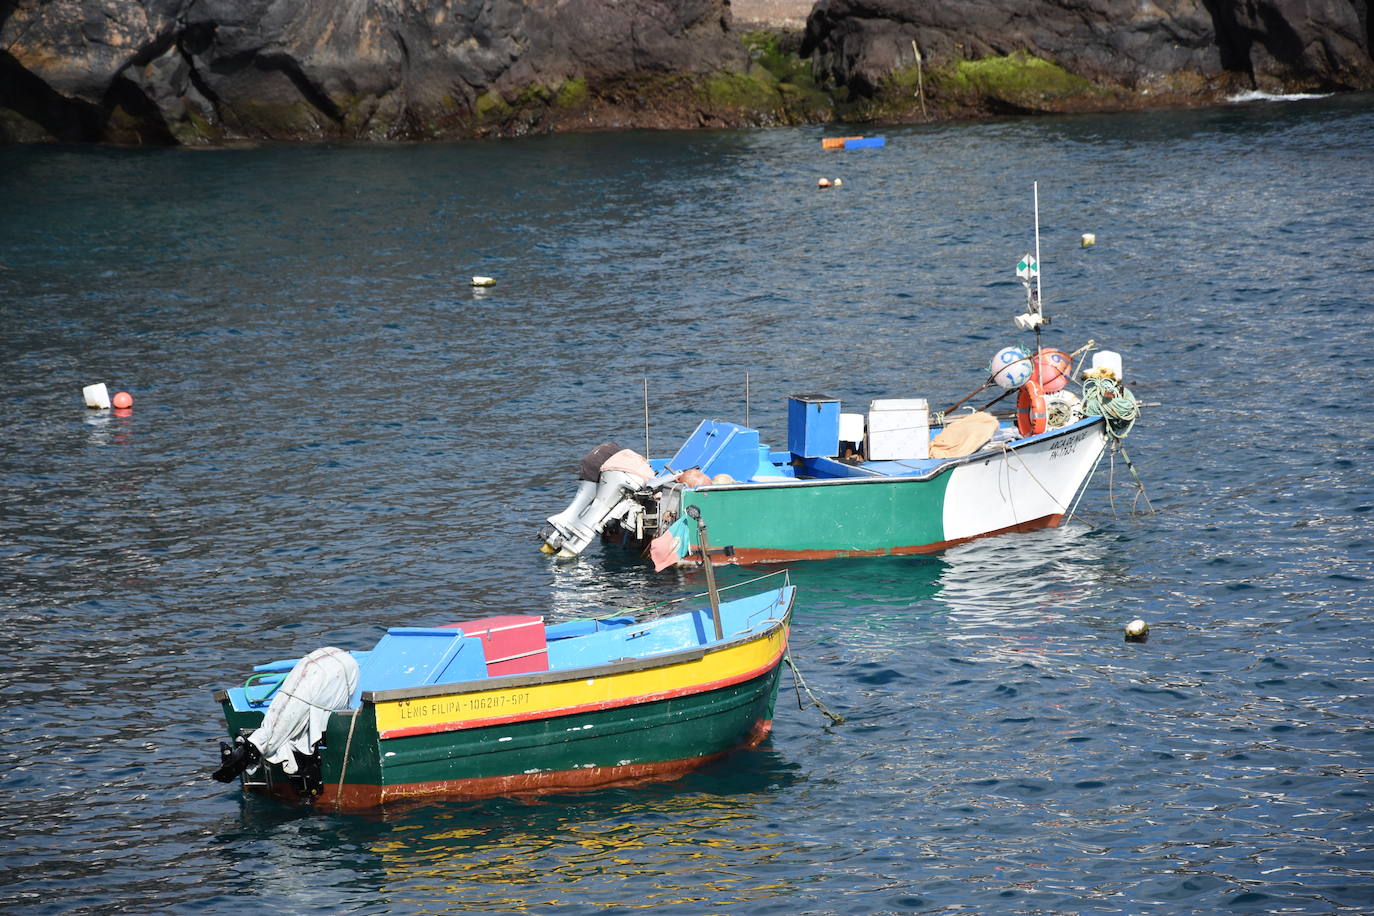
[1255, 95]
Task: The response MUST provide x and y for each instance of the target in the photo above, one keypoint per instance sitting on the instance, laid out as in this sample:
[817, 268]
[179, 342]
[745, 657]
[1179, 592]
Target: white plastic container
[851, 427]
[898, 429]
[1107, 359]
[97, 396]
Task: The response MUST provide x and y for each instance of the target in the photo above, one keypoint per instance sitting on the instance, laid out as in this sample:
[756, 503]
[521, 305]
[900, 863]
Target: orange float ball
[122, 400]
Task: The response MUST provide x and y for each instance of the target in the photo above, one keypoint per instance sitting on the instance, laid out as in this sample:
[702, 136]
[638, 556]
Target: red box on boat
[513, 643]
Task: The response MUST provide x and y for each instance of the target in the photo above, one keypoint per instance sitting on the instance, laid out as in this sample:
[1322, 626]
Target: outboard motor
[607, 478]
[319, 684]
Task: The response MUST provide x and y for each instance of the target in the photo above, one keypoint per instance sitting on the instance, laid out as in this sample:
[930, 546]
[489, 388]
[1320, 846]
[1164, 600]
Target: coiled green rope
[1107, 398]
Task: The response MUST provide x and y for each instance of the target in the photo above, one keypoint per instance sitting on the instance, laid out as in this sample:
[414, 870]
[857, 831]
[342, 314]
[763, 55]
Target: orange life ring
[1032, 418]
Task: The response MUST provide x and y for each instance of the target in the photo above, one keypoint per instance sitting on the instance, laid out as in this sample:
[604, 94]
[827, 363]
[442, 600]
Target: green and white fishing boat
[893, 480]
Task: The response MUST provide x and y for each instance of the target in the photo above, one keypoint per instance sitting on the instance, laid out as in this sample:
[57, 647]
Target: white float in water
[97, 396]
[483, 281]
[1137, 631]
[1089, 240]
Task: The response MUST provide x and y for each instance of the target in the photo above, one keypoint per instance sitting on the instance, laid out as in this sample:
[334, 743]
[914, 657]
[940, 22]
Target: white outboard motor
[609, 476]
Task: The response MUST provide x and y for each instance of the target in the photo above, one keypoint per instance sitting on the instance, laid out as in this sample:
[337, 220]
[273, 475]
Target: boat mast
[1035, 189]
[1029, 269]
[712, 594]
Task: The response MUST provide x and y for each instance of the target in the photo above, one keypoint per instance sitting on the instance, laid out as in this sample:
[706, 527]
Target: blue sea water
[334, 433]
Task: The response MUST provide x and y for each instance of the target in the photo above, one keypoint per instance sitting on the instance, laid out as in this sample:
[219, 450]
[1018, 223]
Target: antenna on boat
[1028, 269]
[1035, 190]
[746, 399]
[646, 417]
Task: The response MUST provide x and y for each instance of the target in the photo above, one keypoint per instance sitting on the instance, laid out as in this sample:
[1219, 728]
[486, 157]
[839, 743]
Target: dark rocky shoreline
[199, 72]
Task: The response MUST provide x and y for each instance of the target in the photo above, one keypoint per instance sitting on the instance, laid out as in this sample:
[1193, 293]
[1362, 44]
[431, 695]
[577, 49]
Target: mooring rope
[800, 682]
[1113, 402]
[348, 746]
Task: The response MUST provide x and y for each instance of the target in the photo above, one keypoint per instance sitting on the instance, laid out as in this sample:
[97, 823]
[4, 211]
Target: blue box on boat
[813, 426]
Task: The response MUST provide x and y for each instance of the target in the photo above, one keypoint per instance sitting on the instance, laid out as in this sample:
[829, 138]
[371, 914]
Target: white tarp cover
[319, 684]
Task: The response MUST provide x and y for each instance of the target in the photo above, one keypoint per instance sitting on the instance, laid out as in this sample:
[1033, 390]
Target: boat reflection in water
[613, 845]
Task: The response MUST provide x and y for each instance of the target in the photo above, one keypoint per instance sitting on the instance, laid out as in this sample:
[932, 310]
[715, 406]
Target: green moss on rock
[1019, 80]
[572, 94]
[490, 106]
[756, 90]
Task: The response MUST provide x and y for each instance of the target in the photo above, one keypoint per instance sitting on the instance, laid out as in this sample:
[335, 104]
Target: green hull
[1029, 484]
[830, 518]
[642, 741]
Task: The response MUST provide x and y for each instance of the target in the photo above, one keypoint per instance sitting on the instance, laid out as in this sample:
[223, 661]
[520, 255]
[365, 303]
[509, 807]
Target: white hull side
[1021, 485]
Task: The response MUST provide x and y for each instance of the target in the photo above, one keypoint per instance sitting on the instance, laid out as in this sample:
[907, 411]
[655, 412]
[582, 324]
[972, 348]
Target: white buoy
[838, 182]
[97, 396]
[483, 281]
[1089, 240]
[1137, 631]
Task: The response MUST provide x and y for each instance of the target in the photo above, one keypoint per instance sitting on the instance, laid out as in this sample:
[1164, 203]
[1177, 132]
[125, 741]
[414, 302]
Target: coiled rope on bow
[1105, 397]
[1113, 402]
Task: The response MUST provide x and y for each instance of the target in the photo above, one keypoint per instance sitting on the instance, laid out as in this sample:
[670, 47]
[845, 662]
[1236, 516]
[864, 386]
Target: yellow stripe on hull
[475, 708]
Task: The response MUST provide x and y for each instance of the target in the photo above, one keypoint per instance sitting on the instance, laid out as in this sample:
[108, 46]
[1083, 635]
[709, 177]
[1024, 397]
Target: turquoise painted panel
[868, 516]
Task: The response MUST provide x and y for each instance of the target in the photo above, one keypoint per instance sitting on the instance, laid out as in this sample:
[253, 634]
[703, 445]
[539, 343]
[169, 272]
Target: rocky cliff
[1170, 46]
[183, 70]
[204, 71]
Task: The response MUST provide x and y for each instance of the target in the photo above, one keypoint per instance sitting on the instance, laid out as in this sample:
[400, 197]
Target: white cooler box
[898, 429]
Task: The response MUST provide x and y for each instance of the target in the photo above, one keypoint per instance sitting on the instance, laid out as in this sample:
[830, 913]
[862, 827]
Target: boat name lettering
[448, 706]
[1066, 446]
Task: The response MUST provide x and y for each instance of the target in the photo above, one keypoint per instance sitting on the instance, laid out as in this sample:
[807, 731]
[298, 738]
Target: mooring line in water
[1084, 488]
[800, 682]
[1139, 484]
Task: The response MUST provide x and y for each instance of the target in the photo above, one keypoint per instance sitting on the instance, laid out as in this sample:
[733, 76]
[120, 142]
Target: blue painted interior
[416, 656]
[571, 628]
[720, 447]
[809, 430]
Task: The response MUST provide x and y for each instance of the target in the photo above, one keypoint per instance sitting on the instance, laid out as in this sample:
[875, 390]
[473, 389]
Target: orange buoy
[1051, 370]
[122, 400]
[1032, 417]
[693, 477]
[823, 183]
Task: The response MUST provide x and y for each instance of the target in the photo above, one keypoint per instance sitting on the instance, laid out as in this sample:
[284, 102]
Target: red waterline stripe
[440, 727]
[358, 797]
